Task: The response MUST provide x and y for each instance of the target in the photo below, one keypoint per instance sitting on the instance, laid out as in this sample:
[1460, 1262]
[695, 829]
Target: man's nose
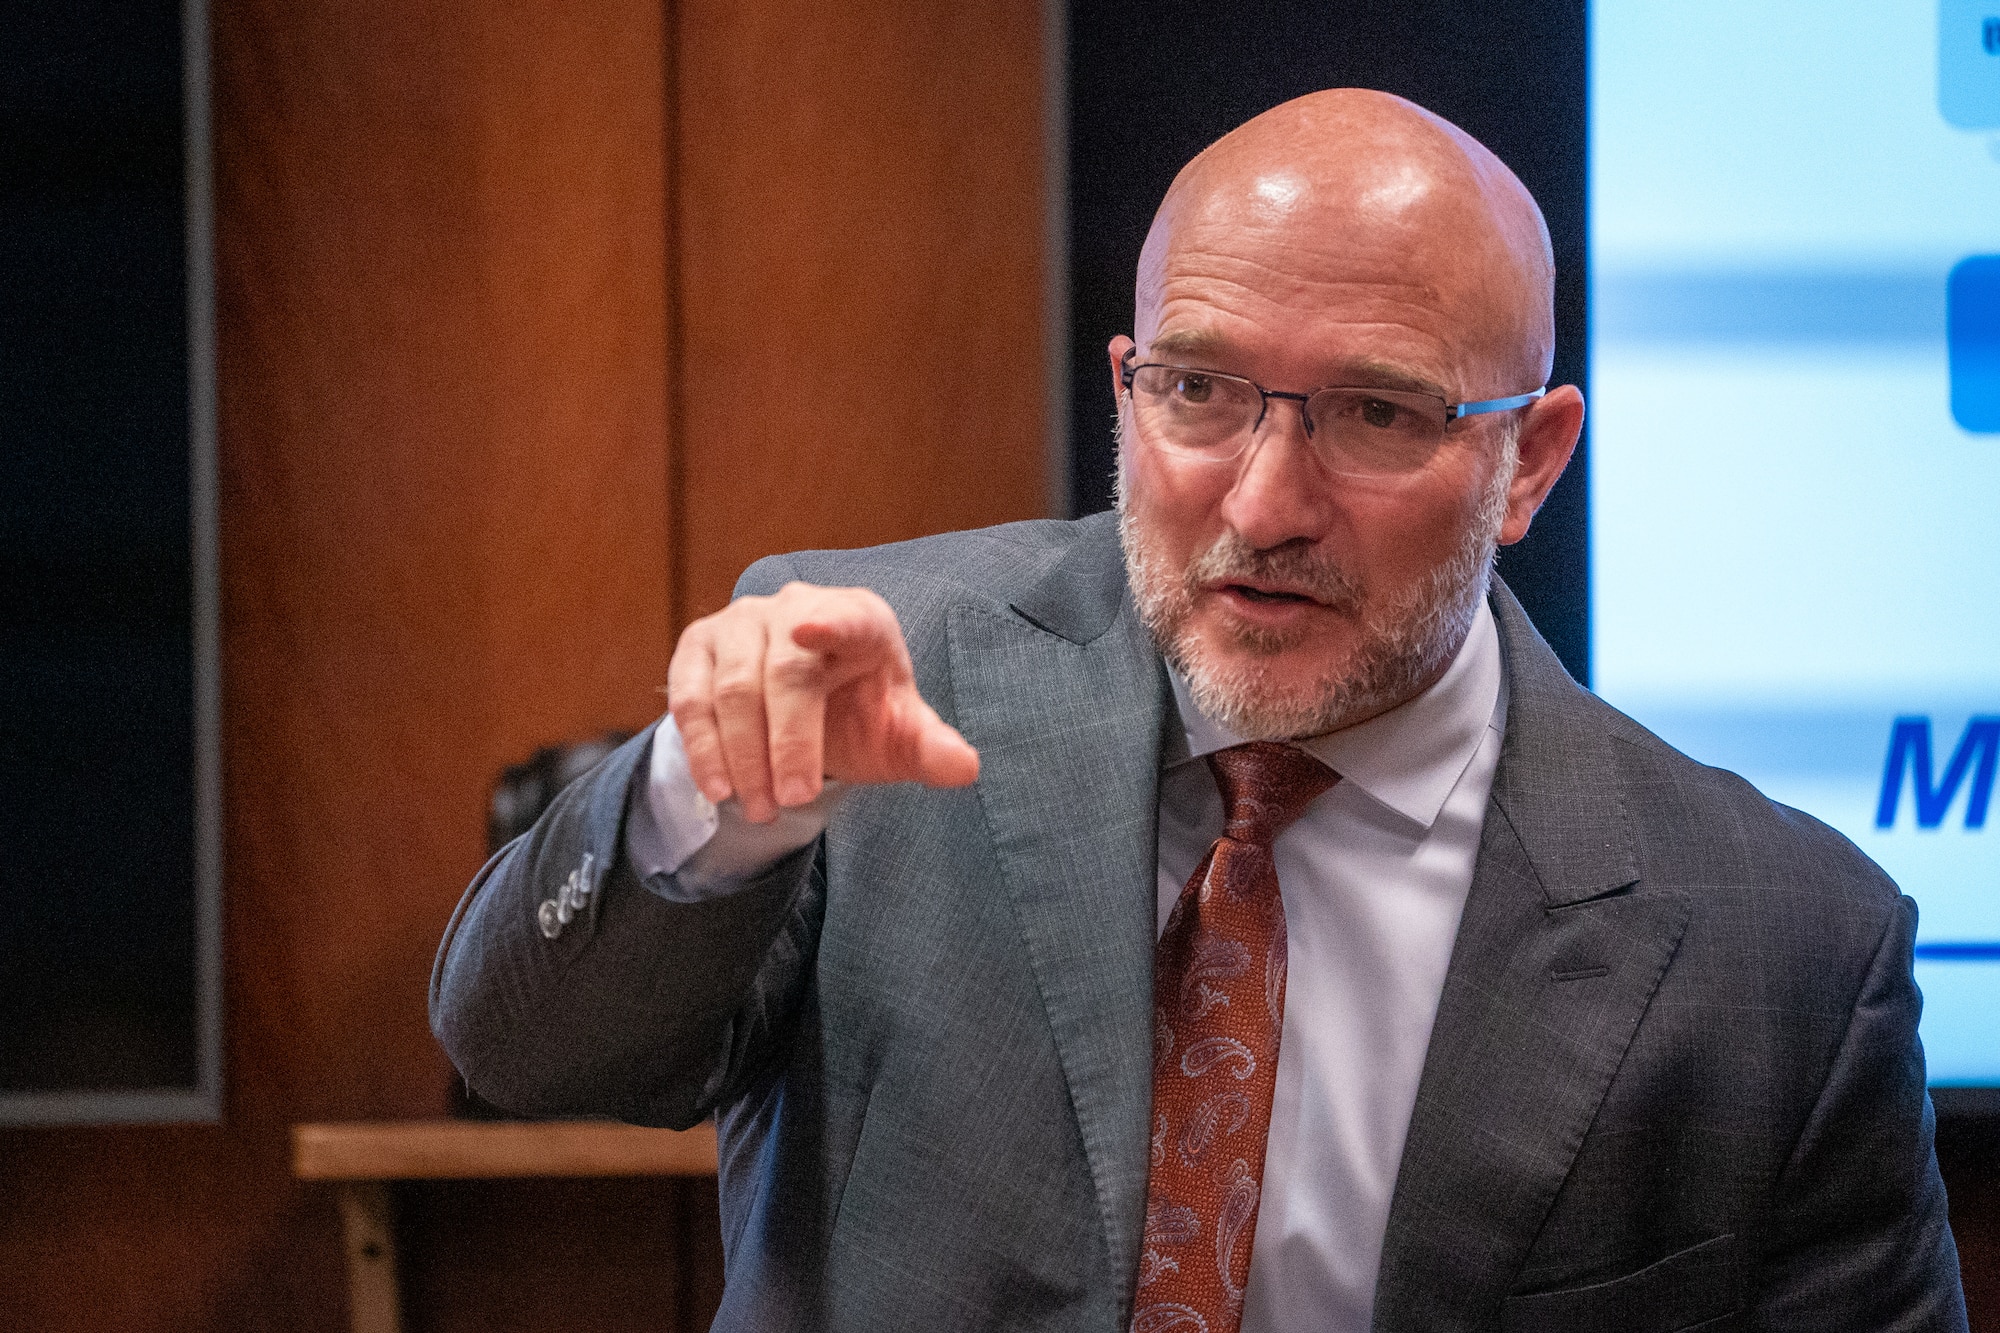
[1281, 491]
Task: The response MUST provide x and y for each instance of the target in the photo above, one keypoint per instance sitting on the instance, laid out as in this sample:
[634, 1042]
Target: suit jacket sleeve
[639, 1008]
[1860, 1236]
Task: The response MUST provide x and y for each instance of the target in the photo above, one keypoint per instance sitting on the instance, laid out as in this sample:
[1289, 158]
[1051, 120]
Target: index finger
[853, 633]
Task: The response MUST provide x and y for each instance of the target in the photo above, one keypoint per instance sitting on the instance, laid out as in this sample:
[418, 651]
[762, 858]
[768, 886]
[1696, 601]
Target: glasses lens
[1194, 411]
[1376, 432]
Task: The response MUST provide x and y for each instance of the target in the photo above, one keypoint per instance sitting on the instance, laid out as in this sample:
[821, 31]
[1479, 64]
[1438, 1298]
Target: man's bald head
[1350, 189]
[1347, 240]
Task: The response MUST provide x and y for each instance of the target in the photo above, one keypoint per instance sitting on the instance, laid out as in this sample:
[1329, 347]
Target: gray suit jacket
[1674, 1081]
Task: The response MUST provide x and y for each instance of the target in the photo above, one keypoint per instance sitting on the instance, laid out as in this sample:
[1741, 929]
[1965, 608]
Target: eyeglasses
[1357, 432]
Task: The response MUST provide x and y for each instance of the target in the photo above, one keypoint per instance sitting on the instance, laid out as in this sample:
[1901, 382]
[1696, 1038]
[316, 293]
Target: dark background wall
[1152, 84]
[97, 919]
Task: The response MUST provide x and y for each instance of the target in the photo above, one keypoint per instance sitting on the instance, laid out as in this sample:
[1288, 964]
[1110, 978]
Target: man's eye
[1379, 414]
[1194, 388]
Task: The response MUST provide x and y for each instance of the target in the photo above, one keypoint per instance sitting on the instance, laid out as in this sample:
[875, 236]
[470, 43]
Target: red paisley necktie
[1218, 1005]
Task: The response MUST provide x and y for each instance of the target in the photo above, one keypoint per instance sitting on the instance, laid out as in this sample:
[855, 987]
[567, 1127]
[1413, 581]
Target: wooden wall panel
[441, 272]
[452, 531]
[860, 234]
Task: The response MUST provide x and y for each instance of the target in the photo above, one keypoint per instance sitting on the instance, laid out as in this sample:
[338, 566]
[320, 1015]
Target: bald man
[1227, 915]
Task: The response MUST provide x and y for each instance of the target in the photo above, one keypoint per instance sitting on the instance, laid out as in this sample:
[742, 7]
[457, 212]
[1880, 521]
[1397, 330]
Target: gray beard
[1405, 642]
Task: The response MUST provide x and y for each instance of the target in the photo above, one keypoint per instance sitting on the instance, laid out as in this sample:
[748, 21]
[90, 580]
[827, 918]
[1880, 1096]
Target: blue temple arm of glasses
[1496, 404]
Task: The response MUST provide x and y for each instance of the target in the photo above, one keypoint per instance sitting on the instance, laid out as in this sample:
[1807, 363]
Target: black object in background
[526, 789]
[1152, 84]
[100, 979]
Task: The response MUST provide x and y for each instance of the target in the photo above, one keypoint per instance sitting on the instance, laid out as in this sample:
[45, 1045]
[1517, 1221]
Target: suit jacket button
[550, 917]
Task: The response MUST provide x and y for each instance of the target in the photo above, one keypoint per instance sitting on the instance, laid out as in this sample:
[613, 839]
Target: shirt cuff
[687, 849]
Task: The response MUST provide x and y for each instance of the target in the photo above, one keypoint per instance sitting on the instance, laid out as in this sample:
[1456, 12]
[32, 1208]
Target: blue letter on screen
[1910, 748]
[1968, 73]
[1972, 321]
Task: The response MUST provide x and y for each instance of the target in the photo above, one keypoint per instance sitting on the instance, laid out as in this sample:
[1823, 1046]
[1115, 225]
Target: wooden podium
[363, 1159]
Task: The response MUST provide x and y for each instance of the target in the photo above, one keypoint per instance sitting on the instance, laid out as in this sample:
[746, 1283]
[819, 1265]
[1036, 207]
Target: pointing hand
[774, 694]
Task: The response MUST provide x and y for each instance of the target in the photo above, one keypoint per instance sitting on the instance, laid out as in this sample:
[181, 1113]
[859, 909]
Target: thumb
[939, 756]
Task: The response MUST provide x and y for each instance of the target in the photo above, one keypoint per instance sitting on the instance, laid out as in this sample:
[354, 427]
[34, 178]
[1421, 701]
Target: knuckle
[798, 598]
[711, 626]
[791, 750]
[686, 665]
[795, 669]
[747, 610]
[695, 721]
[737, 687]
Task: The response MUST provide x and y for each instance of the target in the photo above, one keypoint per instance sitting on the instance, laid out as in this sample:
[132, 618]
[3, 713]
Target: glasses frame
[1128, 370]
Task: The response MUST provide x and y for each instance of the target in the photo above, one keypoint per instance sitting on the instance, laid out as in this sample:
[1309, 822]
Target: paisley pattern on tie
[1168, 1318]
[1218, 1009]
[1207, 1125]
[1215, 959]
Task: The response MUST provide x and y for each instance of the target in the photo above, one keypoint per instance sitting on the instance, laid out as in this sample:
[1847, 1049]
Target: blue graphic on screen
[1795, 431]
[1972, 323]
[1969, 63]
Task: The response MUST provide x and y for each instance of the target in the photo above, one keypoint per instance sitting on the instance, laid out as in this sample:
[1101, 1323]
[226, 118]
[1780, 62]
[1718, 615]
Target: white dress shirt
[1374, 876]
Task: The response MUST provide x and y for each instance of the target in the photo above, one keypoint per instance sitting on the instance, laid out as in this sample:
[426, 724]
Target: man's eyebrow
[1201, 345]
[1382, 375]
[1189, 343]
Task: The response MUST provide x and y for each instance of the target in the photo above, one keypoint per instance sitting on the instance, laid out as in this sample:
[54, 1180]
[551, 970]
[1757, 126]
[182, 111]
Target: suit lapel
[1557, 955]
[1065, 699]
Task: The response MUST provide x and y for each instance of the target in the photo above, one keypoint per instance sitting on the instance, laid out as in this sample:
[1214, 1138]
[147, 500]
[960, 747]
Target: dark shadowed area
[97, 872]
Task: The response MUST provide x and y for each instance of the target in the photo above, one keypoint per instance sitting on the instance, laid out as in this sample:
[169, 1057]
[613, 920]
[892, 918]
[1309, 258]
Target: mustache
[1296, 566]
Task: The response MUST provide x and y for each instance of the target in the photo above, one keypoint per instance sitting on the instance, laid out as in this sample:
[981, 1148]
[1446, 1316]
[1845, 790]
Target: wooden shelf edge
[485, 1150]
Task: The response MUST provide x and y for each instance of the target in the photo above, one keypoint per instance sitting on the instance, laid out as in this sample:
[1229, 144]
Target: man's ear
[1117, 349]
[1549, 432]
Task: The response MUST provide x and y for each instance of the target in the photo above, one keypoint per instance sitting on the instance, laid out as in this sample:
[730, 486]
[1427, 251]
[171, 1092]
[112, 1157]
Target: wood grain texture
[860, 238]
[368, 1227]
[448, 510]
[476, 1150]
[441, 315]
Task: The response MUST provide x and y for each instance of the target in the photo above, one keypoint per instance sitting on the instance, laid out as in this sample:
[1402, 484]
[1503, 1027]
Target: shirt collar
[1408, 758]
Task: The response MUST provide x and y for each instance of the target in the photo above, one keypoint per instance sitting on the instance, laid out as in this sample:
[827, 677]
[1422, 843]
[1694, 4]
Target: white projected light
[1795, 431]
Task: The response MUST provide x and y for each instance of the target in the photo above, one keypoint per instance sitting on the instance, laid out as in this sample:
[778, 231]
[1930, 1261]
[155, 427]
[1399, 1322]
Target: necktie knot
[1265, 788]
